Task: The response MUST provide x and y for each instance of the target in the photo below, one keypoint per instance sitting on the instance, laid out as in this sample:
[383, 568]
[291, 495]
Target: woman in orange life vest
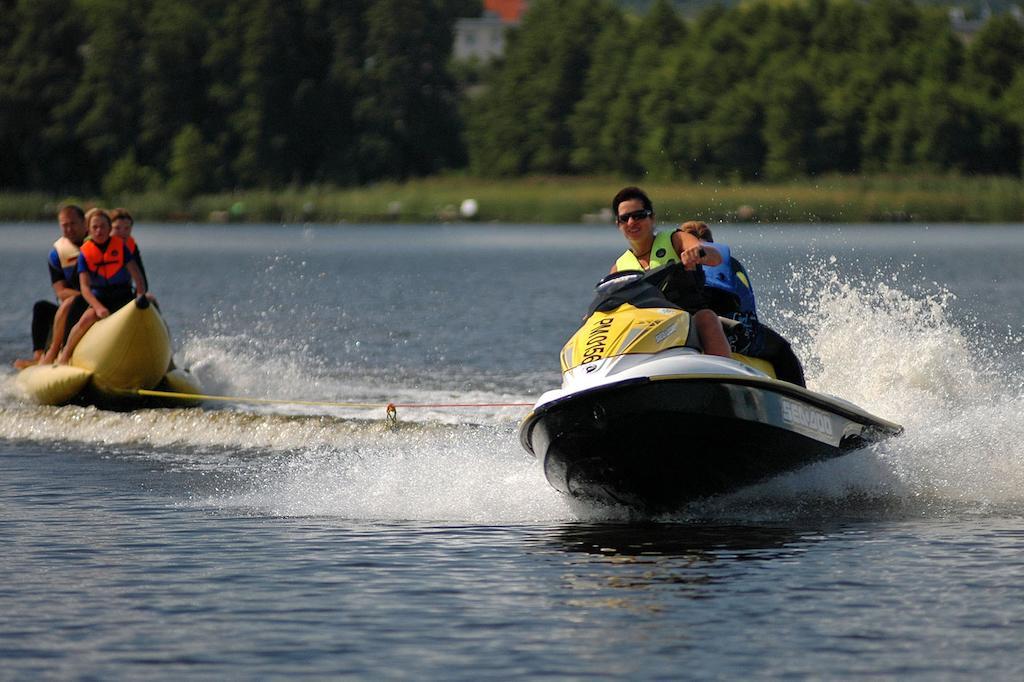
[106, 271]
[634, 215]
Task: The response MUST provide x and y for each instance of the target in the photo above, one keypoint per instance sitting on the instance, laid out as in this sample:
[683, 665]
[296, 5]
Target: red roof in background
[510, 11]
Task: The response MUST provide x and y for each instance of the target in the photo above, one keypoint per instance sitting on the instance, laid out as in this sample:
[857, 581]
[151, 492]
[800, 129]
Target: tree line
[760, 90]
[198, 95]
[206, 95]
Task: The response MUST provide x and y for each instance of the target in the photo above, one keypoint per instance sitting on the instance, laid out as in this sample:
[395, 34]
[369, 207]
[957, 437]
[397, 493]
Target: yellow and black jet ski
[128, 351]
[647, 420]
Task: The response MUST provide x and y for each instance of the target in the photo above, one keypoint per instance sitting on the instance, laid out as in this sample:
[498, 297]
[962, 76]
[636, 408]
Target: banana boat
[118, 356]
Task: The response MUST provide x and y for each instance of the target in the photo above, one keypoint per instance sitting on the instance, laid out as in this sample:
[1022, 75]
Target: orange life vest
[107, 263]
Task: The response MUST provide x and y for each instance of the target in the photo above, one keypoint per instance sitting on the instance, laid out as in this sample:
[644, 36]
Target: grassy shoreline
[839, 199]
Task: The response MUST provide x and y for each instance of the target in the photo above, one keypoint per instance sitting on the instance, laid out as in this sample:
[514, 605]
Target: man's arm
[140, 282]
[63, 291]
[57, 279]
[689, 249]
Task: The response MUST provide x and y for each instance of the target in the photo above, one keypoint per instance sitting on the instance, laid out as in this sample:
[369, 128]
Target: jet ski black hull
[659, 444]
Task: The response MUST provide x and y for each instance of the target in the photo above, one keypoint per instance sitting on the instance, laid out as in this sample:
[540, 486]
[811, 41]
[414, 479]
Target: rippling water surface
[280, 539]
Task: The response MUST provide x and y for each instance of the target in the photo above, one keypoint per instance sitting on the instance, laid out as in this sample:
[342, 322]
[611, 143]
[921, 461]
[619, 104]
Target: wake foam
[899, 356]
[897, 353]
[466, 475]
[281, 372]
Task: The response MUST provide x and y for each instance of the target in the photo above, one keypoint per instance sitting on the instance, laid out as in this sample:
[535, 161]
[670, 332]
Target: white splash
[896, 353]
[900, 356]
[465, 475]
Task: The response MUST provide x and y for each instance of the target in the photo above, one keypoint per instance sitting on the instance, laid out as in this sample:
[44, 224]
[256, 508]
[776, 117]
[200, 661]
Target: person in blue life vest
[730, 294]
[106, 272]
[122, 222]
[54, 319]
[634, 214]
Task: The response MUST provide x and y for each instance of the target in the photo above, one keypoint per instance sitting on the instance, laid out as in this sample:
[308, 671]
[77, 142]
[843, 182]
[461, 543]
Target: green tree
[522, 125]
[128, 176]
[105, 107]
[329, 148]
[950, 128]
[407, 113]
[869, 94]
[191, 165]
[995, 56]
[173, 81]
[1013, 113]
[791, 121]
[882, 145]
[693, 78]
[624, 128]
[591, 152]
[256, 69]
[40, 64]
[845, 82]
[734, 128]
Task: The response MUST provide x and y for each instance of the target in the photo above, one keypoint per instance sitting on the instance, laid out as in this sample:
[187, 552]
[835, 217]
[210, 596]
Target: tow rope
[390, 408]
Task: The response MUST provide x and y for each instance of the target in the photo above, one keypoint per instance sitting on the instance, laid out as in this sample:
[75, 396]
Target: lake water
[242, 541]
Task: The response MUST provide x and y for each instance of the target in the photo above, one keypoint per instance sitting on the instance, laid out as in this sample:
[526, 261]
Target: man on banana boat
[730, 294]
[62, 264]
[634, 214]
[106, 272]
[70, 311]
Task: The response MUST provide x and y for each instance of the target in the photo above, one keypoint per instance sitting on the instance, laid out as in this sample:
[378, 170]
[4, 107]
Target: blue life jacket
[731, 277]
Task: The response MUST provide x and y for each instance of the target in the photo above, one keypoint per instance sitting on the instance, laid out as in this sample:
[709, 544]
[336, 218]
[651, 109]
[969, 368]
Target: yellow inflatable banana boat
[118, 356]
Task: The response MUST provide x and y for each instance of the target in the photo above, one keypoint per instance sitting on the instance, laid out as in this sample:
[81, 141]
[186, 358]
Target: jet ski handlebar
[643, 288]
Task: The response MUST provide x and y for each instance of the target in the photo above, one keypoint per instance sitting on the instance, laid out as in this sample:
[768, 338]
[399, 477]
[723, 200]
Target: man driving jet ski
[634, 214]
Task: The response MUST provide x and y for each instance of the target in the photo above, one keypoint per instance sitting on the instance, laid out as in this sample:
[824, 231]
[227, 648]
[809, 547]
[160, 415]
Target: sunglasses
[635, 215]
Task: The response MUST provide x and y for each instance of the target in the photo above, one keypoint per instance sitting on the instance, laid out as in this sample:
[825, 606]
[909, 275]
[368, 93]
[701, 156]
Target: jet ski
[646, 420]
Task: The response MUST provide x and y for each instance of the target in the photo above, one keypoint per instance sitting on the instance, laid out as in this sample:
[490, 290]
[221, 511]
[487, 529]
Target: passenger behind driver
[121, 223]
[730, 294]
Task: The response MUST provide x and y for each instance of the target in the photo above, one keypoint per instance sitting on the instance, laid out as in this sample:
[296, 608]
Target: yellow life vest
[67, 252]
[662, 252]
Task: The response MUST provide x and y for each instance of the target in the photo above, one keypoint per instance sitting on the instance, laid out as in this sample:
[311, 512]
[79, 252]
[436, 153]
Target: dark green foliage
[105, 108]
[120, 94]
[522, 125]
[192, 165]
[995, 56]
[128, 177]
[407, 115]
[626, 124]
[174, 81]
[588, 123]
[202, 95]
[791, 121]
[40, 65]
[766, 88]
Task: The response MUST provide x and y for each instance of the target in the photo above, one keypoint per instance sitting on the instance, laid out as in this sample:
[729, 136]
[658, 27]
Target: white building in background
[483, 38]
[966, 28]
